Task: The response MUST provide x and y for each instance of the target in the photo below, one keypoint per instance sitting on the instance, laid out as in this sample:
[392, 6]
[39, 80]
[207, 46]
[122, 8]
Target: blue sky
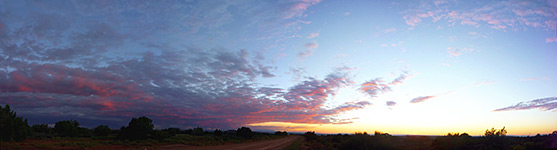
[402, 67]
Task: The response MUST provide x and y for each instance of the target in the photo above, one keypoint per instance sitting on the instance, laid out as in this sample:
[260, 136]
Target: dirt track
[275, 144]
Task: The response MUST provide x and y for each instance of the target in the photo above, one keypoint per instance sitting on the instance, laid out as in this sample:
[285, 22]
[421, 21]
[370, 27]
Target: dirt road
[275, 144]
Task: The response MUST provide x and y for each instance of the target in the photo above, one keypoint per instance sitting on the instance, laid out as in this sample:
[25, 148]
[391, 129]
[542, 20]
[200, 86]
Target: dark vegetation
[493, 139]
[140, 132]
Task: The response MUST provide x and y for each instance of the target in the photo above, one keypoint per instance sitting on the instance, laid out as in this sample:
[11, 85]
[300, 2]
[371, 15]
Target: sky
[330, 66]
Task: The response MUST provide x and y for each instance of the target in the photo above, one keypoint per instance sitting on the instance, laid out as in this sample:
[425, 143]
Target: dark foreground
[383, 141]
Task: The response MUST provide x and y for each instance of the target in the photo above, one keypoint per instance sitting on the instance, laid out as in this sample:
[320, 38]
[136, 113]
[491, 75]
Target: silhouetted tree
[495, 133]
[197, 131]
[67, 128]
[495, 139]
[217, 132]
[172, 131]
[159, 135]
[101, 130]
[42, 131]
[281, 133]
[244, 132]
[453, 141]
[12, 127]
[137, 129]
[310, 135]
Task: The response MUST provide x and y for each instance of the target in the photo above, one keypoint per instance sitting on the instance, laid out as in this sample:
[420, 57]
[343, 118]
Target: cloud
[391, 103]
[421, 99]
[389, 30]
[454, 52]
[551, 39]
[122, 65]
[515, 16]
[377, 86]
[457, 52]
[297, 9]
[347, 13]
[311, 45]
[313, 35]
[544, 104]
[310, 48]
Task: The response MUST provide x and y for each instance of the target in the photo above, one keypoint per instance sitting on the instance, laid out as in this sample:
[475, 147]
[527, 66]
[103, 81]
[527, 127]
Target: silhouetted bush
[310, 135]
[357, 142]
[138, 129]
[281, 133]
[495, 139]
[172, 131]
[453, 141]
[101, 130]
[42, 131]
[12, 127]
[67, 128]
[159, 135]
[244, 132]
[197, 131]
[217, 132]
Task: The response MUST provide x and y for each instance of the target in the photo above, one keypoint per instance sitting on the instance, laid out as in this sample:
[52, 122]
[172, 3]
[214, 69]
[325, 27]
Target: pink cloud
[551, 39]
[412, 20]
[310, 48]
[299, 8]
[421, 99]
[313, 35]
[311, 45]
[517, 16]
[454, 52]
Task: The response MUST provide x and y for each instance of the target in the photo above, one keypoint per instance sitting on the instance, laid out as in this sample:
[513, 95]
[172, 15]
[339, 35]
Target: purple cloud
[421, 99]
[391, 103]
[515, 16]
[377, 86]
[544, 104]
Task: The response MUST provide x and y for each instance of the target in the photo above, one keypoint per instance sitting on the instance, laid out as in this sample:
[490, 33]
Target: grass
[297, 145]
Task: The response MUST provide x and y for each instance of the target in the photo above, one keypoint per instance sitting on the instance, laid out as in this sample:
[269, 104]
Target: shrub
[217, 132]
[138, 129]
[244, 132]
[101, 130]
[67, 128]
[42, 131]
[197, 131]
[281, 133]
[12, 127]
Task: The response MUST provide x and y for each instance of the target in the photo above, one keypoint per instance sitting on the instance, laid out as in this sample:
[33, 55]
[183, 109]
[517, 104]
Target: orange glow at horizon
[393, 130]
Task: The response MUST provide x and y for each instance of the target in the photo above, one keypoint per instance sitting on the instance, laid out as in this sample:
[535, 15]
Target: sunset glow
[400, 67]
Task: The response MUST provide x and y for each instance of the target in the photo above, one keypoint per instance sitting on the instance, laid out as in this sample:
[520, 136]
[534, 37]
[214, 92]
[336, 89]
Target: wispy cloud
[376, 86]
[457, 52]
[544, 104]
[389, 30]
[313, 35]
[421, 99]
[347, 13]
[299, 8]
[516, 16]
[551, 39]
[310, 48]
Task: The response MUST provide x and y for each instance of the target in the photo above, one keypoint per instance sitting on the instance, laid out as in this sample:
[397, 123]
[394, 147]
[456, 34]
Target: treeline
[14, 128]
[493, 139]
